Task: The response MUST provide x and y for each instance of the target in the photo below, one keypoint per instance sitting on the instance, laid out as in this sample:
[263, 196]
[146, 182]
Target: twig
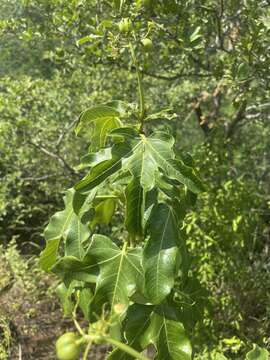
[57, 157]
[40, 178]
[65, 132]
[240, 115]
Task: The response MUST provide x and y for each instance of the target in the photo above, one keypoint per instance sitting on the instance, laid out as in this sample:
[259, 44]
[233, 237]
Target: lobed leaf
[120, 271]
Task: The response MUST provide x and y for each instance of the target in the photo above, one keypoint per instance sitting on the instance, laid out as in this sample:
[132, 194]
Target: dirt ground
[34, 328]
[31, 318]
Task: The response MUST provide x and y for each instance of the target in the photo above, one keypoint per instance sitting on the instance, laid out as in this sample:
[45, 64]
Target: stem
[125, 246]
[129, 350]
[74, 315]
[87, 349]
[140, 88]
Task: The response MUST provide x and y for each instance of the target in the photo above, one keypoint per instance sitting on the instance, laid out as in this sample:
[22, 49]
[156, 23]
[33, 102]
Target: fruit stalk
[140, 88]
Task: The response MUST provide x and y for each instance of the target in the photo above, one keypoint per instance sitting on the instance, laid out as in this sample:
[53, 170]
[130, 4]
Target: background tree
[210, 66]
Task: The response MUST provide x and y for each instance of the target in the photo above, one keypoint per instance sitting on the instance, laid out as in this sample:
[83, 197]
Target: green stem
[74, 316]
[87, 349]
[140, 88]
[129, 350]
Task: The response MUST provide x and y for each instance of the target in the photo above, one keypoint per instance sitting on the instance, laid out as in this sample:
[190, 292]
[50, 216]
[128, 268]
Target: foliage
[209, 69]
[142, 273]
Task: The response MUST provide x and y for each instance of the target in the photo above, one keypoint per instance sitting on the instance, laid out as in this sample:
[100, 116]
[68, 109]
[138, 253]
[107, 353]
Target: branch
[176, 76]
[40, 178]
[203, 122]
[64, 133]
[240, 115]
[57, 157]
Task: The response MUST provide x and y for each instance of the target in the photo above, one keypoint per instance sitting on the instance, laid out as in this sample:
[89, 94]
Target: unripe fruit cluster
[124, 25]
[147, 44]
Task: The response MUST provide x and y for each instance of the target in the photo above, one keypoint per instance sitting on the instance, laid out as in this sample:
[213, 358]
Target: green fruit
[147, 44]
[146, 3]
[67, 348]
[124, 25]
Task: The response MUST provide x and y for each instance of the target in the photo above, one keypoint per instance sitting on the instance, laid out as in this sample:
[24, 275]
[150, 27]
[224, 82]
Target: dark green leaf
[160, 255]
[135, 202]
[103, 170]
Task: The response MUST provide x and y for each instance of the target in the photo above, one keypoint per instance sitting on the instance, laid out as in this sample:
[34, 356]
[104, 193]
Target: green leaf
[63, 294]
[143, 157]
[157, 325]
[160, 255]
[66, 225]
[104, 212]
[191, 299]
[83, 205]
[56, 230]
[167, 334]
[92, 159]
[100, 172]
[195, 35]
[173, 343]
[101, 119]
[153, 154]
[135, 324]
[135, 203]
[70, 268]
[76, 236]
[85, 299]
[120, 271]
[151, 334]
[257, 353]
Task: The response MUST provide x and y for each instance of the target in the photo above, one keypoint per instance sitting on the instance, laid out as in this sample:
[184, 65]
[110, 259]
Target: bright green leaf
[257, 353]
[160, 255]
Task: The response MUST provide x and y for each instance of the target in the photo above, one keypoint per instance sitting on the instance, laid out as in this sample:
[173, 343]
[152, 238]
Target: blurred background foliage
[210, 66]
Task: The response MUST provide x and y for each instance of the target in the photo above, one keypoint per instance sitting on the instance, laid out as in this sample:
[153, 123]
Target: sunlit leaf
[160, 253]
[257, 353]
[101, 119]
[120, 271]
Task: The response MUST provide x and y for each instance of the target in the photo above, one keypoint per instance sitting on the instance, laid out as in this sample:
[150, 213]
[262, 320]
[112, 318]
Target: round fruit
[147, 44]
[124, 25]
[146, 3]
[67, 348]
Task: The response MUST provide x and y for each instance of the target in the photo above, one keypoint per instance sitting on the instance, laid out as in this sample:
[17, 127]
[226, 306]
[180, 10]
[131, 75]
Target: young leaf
[65, 293]
[102, 119]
